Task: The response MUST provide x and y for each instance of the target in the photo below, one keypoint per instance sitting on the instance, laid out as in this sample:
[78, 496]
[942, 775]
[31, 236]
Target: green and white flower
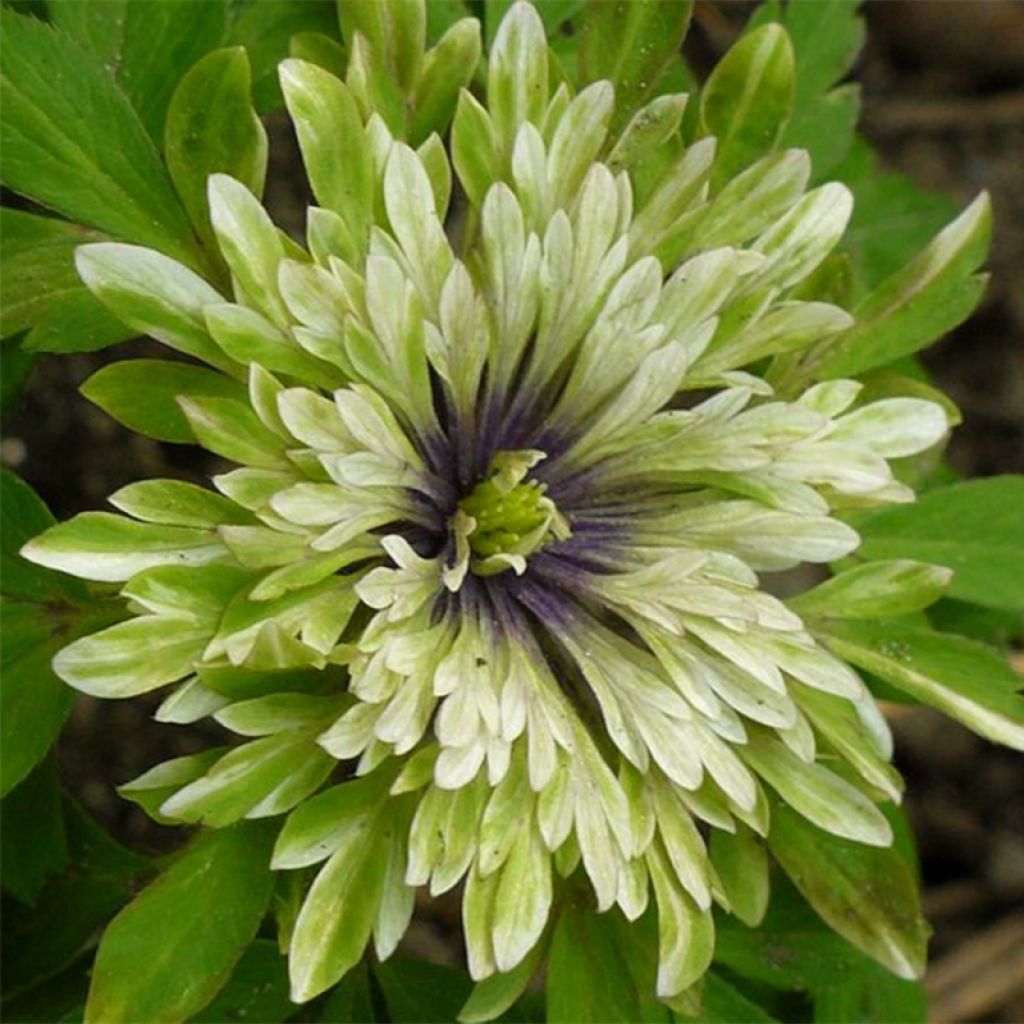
[481, 596]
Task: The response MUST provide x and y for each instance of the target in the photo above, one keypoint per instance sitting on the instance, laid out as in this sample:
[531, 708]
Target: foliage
[116, 115]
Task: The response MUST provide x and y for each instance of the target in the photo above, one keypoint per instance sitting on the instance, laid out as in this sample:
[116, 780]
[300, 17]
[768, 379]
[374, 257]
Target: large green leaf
[143, 394]
[42, 291]
[964, 679]
[212, 128]
[148, 46]
[589, 975]
[869, 994]
[41, 941]
[33, 841]
[932, 294]
[975, 528]
[71, 141]
[867, 894]
[174, 946]
[257, 990]
[631, 43]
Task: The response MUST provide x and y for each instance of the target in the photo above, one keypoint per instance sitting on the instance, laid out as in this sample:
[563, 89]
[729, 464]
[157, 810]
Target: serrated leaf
[143, 395]
[931, 295]
[212, 128]
[975, 528]
[826, 37]
[748, 99]
[42, 290]
[171, 949]
[875, 590]
[71, 141]
[147, 47]
[962, 678]
[868, 895]
[632, 44]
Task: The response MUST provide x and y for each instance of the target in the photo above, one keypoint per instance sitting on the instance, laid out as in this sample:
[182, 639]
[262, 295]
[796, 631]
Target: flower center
[503, 519]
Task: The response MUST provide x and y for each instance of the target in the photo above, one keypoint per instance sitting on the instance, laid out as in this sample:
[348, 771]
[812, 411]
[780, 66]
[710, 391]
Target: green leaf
[868, 895]
[418, 992]
[143, 395]
[869, 994]
[975, 528]
[931, 295]
[722, 1003]
[351, 1001]
[589, 977]
[494, 995]
[256, 992]
[740, 861]
[632, 43]
[325, 52]
[962, 678]
[42, 290]
[174, 946]
[41, 941]
[22, 516]
[34, 842]
[266, 28]
[826, 37]
[70, 140]
[875, 590]
[748, 100]
[212, 128]
[147, 46]
[15, 368]
[33, 701]
[893, 218]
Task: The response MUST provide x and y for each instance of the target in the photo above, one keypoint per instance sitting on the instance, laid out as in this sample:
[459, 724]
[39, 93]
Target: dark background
[943, 102]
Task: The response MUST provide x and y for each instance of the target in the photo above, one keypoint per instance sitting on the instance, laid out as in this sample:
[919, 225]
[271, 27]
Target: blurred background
[943, 103]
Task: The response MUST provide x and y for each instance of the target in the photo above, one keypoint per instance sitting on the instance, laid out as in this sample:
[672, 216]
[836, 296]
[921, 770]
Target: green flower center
[503, 519]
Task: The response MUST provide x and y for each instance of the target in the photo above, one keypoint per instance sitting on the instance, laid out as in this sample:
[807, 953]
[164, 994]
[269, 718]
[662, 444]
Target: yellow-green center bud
[503, 519]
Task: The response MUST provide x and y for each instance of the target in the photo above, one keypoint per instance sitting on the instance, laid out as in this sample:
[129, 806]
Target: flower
[489, 558]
